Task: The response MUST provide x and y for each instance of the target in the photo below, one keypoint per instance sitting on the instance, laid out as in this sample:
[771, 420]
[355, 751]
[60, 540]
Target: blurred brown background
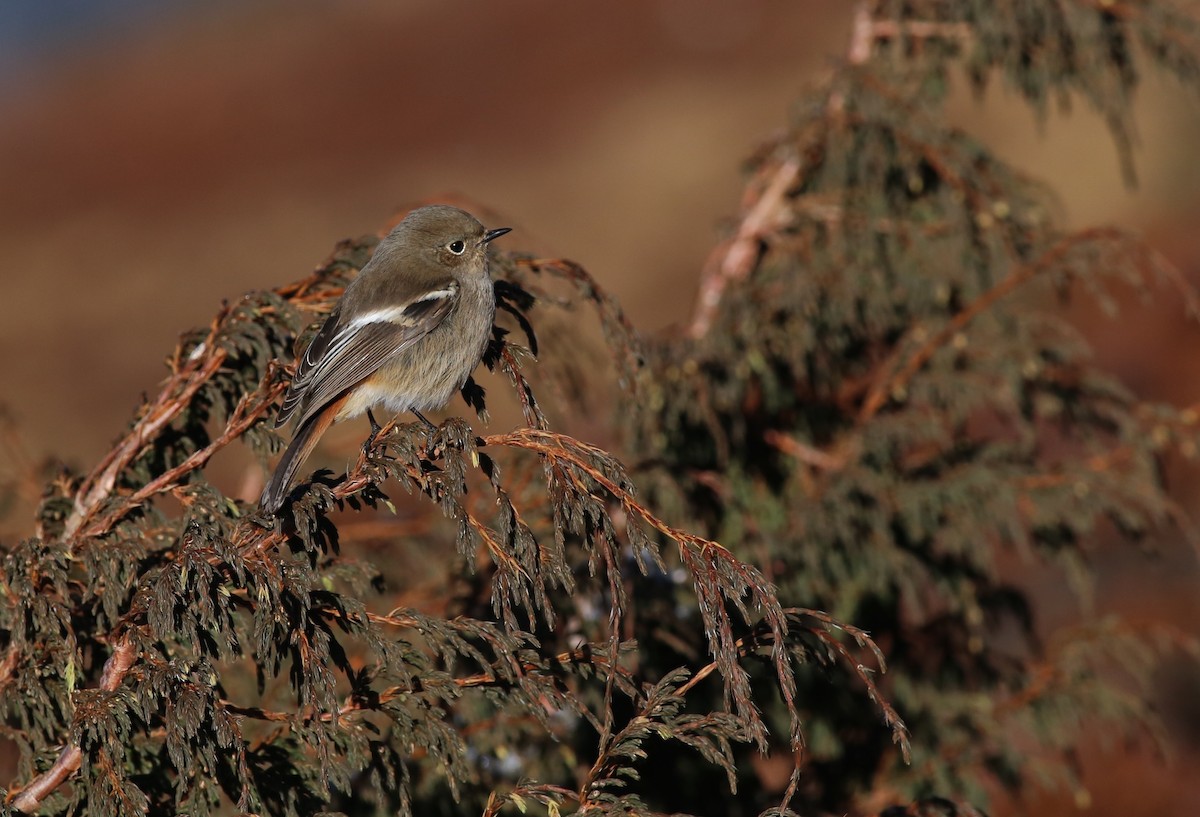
[157, 157]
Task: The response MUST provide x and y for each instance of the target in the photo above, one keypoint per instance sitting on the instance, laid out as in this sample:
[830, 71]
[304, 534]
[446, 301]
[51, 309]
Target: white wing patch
[433, 295]
[394, 314]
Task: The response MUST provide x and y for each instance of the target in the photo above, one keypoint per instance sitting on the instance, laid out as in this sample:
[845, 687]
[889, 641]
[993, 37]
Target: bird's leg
[424, 420]
[375, 429]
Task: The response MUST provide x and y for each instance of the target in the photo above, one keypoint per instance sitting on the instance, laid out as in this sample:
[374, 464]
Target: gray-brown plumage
[406, 334]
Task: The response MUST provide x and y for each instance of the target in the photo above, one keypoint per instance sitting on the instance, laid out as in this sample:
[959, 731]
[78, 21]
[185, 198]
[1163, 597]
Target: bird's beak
[499, 231]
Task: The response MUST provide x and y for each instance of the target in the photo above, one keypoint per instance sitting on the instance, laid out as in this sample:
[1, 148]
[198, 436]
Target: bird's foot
[430, 450]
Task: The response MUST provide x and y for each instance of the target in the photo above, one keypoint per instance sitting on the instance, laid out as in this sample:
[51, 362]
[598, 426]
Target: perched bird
[406, 333]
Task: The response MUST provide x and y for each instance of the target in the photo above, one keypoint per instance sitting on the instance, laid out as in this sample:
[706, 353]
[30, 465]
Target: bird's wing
[349, 349]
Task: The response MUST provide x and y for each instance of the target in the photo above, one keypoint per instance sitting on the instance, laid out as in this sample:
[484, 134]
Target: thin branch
[175, 396]
[495, 548]
[579, 656]
[558, 446]
[238, 423]
[920, 30]
[734, 259]
[858, 53]
[806, 454]
[862, 35]
[529, 408]
[541, 792]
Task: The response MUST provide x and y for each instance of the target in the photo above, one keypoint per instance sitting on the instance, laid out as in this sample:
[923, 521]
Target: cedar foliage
[874, 402]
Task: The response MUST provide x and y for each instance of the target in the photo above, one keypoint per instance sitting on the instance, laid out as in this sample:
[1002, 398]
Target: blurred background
[158, 156]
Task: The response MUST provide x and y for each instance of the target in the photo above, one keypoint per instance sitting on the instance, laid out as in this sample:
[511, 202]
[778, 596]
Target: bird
[406, 334]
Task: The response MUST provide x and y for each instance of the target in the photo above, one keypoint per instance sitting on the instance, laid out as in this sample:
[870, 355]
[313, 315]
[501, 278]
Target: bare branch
[733, 260]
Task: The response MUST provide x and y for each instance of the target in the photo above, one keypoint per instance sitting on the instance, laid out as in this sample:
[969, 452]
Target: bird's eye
[456, 247]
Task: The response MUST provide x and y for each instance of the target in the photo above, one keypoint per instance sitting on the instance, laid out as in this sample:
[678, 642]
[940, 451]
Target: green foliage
[873, 412]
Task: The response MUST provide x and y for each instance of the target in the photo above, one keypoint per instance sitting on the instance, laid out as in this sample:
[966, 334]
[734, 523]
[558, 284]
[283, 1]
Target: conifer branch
[624, 341]
[563, 447]
[711, 565]
[896, 373]
[475, 681]
[28, 799]
[173, 398]
[247, 412]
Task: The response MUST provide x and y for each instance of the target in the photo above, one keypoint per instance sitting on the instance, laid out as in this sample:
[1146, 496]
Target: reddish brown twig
[178, 391]
[477, 680]
[734, 259]
[560, 447]
[859, 52]
[806, 454]
[920, 30]
[241, 420]
[8, 666]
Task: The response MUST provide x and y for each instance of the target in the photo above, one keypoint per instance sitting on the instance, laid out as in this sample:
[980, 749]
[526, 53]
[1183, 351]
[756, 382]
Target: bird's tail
[297, 452]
